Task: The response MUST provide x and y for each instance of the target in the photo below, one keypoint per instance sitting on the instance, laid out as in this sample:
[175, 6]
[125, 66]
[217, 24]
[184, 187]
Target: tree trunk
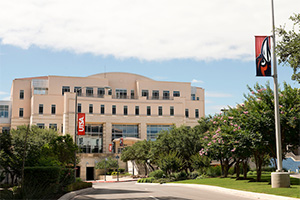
[258, 162]
[222, 167]
[245, 168]
[237, 168]
[226, 168]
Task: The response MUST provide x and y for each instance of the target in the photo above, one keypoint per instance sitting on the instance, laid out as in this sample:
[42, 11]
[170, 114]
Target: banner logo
[263, 56]
[110, 147]
[81, 124]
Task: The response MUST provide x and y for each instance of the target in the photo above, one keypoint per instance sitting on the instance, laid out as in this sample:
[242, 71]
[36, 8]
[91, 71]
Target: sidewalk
[110, 179]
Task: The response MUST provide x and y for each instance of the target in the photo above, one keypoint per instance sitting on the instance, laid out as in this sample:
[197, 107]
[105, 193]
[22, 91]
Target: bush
[42, 174]
[146, 180]
[121, 170]
[180, 176]
[157, 174]
[193, 175]
[213, 171]
[78, 186]
[232, 171]
[66, 178]
[115, 173]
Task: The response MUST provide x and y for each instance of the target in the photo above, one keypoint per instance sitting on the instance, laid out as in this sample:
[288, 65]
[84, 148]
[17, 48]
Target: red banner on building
[81, 124]
[263, 56]
[110, 147]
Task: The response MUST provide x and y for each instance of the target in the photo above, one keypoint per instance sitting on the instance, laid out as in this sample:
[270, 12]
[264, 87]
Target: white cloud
[6, 98]
[217, 94]
[148, 29]
[197, 81]
[3, 93]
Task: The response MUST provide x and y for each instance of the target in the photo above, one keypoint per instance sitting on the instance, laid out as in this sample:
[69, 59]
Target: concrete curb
[72, 194]
[112, 181]
[240, 193]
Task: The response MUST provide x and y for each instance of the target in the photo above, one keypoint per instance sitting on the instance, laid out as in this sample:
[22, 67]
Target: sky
[207, 43]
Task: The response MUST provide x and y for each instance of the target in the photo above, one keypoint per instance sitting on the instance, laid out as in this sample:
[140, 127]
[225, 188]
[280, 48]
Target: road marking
[154, 198]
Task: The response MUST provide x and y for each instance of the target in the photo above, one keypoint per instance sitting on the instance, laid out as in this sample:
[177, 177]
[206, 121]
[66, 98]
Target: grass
[260, 187]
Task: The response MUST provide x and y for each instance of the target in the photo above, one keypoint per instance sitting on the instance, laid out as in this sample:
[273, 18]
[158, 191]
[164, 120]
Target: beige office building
[116, 105]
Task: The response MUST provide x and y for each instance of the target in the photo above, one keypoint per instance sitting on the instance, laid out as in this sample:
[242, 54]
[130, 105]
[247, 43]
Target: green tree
[106, 164]
[170, 162]
[288, 48]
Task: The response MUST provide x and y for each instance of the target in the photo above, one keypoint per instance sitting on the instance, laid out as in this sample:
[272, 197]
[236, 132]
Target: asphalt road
[133, 191]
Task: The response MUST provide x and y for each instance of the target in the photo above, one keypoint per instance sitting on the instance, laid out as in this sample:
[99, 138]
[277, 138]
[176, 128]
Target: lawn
[246, 185]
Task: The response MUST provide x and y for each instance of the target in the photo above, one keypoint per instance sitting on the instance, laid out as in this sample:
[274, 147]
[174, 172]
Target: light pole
[105, 169]
[278, 178]
[117, 157]
[75, 133]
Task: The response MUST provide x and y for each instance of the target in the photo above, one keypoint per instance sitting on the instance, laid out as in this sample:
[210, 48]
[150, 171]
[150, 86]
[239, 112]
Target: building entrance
[90, 173]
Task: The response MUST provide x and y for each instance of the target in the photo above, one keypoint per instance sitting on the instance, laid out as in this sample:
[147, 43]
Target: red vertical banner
[81, 124]
[263, 56]
[110, 147]
[121, 142]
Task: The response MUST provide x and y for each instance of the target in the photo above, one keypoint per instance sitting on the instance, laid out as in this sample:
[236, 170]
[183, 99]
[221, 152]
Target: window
[123, 130]
[53, 109]
[3, 111]
[132, 94]
[89, 91]
[198, 99]
[91, 108]
[145, 93]
[186, 112]
[197, 113]
[137, 110]
[160, 111]
[65, 89]
[79, 108]
[102, 109]
[125, 110]
[114, 109]
[193, 97]
[100, 92]
[78, 90]
[148, 110]
[171, 110]
[121, 93]
[176, 93]
[109, 91]
[94, 130]
[155, 94]
[166, 95]
[21, 94]
[41, 109]
[39, 90]
[21, 112]
[53, 126]
[153, 130]
[40, 125]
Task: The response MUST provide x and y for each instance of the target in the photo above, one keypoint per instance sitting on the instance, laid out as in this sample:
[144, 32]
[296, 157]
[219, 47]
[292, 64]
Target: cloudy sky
[209, 43]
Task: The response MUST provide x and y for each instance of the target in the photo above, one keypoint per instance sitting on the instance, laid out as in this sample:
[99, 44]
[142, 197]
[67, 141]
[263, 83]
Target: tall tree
[288, 48]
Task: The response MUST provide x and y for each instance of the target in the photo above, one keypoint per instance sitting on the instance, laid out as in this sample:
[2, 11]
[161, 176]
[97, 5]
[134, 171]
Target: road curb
[112, 181]
[240, 193]
[72, 194]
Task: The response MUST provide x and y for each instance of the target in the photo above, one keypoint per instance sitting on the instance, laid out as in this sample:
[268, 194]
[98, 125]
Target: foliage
[288, 48]
[180, 175]
[78, 186]
[146, 180]
[213, 171]
[170, 162]
[157, 174]
[193, 175]
[106, 164]
[44, 147]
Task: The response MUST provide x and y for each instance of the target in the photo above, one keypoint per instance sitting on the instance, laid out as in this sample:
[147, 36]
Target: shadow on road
[96, 194]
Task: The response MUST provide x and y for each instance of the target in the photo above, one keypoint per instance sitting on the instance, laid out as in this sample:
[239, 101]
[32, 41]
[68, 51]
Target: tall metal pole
[276, 104]
[75, 133]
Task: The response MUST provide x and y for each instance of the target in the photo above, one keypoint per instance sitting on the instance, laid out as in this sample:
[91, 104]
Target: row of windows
[120, 93]
[41, 110]
[4, 110]
[125, 110]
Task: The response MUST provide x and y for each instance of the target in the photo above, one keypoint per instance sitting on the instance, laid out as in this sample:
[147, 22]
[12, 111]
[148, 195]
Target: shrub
[121, 170]
[213, 171]
[66, 177]
[146, 180]
[193, 175]
[180, 176]
[78, 186]
[157, 174]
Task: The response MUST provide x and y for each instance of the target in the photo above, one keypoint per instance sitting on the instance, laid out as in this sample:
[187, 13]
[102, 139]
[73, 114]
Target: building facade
[115, 104]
